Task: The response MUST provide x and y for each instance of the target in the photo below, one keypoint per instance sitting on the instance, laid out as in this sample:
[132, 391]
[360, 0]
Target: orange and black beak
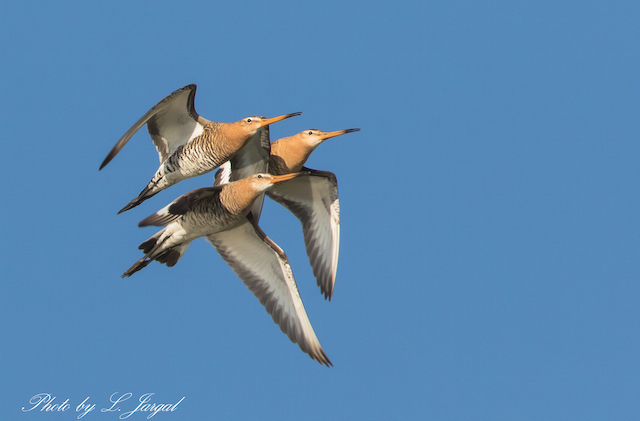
[280, 178]
[267, 121]
[329, 135]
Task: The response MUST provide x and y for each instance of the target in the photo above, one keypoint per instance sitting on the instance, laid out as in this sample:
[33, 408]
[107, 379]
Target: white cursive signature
[144, 406]
[46, 402]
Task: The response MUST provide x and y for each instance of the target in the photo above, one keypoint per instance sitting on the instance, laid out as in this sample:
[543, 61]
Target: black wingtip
[104, 163]
[155, 220]
[135, 202]
[328, 292]
[109, 157]
[130, 205]
[325, 360]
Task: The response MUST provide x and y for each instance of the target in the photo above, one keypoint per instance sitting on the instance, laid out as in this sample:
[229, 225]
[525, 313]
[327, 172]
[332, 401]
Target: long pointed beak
[280, 178]
[329, 135]
[267, 121]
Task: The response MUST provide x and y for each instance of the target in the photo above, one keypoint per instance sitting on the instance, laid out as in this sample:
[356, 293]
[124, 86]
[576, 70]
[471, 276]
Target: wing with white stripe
[265, 270]
[172, 122]
[178, 207]
[313, 199]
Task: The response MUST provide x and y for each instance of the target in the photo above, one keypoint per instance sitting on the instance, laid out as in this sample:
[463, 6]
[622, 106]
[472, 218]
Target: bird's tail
[141, 263]
[151, 249]
[171, 256]
[158, 183]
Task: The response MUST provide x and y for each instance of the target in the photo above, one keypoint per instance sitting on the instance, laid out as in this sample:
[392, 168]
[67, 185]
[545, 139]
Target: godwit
[312, 199]
[221, 214]
[188, 145]
[252, 159]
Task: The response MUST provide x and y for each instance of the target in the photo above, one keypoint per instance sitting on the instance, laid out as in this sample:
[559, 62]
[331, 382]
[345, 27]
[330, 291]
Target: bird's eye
[248, 120]
[259, 176]
[310, 132]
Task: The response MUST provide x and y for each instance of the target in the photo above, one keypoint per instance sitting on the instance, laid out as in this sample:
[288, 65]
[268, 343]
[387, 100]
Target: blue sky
[489, 252]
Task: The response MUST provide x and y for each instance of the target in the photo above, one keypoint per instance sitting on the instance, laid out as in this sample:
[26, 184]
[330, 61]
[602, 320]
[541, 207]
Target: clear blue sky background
[489, 261]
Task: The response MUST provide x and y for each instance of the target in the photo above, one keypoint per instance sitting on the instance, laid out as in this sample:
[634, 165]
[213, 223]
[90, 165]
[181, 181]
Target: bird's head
[314, 137]
[250, 125]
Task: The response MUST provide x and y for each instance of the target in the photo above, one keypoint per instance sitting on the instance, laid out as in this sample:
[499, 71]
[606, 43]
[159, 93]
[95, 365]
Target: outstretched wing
[253, 158]
[313, 199]
[265, 270]
[178, 207]
[172, 122]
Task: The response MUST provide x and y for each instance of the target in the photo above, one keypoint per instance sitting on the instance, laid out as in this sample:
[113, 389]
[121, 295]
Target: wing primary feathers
[149, 115]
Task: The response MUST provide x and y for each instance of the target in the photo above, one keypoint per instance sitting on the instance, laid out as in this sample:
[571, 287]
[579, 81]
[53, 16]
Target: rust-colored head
[250, 125]
[314, 137]
[289, 154]
[238, 196]
[263, 182]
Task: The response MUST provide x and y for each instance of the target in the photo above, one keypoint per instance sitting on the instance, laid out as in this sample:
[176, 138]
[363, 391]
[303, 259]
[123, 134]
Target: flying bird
[222, 215]
[312, 199]
[252, 159]
[188, 145]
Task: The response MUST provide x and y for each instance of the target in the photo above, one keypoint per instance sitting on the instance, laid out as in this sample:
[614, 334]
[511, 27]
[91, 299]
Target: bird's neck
[238, 197]
[288, 155]
[229, 137]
